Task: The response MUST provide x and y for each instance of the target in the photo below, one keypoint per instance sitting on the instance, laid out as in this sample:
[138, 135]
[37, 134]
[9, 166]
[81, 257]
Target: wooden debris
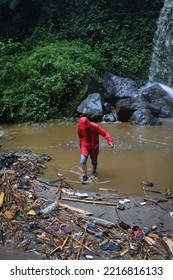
[90, 201]
[61, 247]
[107, 190]
[124, 252]
[81, 244]
[21, 218]
[155, 200]
[75, 209]
[149, 240]
[169, 243]
[2, 194]
[151, 200]
[86, 247]
[153, 191]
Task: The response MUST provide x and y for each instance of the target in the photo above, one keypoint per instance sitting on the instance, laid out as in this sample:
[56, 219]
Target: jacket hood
[84, 123]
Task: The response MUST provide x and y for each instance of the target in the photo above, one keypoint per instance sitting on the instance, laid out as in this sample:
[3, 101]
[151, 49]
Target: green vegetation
[46, 82]
[50, 49]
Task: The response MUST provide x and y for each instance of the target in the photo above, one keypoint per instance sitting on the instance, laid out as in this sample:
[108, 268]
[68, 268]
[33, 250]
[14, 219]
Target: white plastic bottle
[48, 209]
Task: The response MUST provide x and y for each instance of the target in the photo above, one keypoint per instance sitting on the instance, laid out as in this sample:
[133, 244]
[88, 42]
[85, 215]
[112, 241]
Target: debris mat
[54, 229]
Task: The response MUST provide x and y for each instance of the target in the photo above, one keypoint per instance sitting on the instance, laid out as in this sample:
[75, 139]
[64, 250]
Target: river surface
[140, 154]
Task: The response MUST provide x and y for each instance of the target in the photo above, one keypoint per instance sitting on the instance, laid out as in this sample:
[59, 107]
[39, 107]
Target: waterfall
[161, 68]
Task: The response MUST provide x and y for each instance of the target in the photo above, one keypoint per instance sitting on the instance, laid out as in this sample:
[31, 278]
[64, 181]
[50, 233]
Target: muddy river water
[140, 154]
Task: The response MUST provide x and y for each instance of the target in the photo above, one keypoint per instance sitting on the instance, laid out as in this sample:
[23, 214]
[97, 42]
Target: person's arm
[106, 135]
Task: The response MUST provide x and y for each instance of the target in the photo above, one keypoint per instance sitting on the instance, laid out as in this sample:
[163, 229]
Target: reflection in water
[141, 153]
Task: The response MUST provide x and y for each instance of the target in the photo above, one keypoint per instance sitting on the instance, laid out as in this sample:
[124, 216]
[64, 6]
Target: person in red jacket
[88, 136]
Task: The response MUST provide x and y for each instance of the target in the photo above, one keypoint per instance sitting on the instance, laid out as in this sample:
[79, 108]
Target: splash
[168, 90]
[161, 69]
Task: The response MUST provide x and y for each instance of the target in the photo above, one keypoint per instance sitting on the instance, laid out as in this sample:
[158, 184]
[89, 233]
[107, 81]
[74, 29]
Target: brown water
[140, 153]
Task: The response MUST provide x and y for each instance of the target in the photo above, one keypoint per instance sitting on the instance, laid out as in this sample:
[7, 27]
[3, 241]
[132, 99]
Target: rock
[120, 87]
[144, 117]
[91, 107]
[160, 99]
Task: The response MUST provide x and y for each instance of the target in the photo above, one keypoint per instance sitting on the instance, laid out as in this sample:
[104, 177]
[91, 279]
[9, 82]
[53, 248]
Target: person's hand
[111, 145]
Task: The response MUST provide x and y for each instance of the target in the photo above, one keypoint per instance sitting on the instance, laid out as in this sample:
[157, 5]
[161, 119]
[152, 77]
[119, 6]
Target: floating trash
[147, 183]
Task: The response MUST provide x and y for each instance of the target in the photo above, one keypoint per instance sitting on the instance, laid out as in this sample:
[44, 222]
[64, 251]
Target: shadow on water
[140, 153]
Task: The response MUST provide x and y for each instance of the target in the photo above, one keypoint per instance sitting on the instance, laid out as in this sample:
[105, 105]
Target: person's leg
[94, 161]
[83, 161]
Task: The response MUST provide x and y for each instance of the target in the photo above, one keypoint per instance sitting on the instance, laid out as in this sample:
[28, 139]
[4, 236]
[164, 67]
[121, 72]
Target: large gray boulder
[144, 117]
[91, 107]
[127, 106]
[119, 87]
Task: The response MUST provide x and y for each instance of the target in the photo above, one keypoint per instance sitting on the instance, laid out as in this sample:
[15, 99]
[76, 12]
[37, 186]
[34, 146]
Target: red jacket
[88, 134]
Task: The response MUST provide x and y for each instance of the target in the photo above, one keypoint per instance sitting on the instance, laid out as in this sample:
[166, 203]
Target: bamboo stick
[107, 190]
[90, 201]
[153, 191]
[84, 212]
[60, 247]
[81, 244]
[85, 246]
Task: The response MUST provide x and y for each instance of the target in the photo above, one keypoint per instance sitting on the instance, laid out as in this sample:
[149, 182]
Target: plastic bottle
[20, 217]
[24, 243]
[88, 257]
[48, 209]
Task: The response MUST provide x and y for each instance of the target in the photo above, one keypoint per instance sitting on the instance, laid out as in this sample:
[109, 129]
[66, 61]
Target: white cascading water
[161, 69]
